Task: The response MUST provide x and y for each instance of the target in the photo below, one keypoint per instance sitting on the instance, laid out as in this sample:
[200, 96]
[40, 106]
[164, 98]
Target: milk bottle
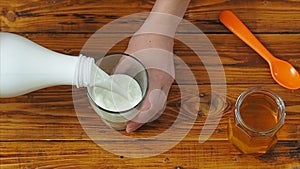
[26, 66]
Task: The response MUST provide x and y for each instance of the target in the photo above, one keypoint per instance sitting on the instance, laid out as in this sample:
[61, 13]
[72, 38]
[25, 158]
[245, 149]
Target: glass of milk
[119, 85]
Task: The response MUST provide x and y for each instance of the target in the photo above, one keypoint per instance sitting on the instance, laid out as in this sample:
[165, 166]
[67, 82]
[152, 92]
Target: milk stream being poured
[116, 93]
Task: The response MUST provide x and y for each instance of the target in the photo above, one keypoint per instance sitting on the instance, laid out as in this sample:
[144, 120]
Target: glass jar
[258, 116]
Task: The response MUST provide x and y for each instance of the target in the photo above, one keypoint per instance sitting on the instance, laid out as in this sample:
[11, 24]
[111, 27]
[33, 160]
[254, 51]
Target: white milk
[116, 107]
[102, 80]
[117, 101]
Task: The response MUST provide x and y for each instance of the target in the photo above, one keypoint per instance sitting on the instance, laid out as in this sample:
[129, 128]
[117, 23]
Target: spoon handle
[235, 25]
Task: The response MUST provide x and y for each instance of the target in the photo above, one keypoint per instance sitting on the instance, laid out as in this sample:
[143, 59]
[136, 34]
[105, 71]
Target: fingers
[132, 126]
[155, 52]
[154, 105]
[153, 108]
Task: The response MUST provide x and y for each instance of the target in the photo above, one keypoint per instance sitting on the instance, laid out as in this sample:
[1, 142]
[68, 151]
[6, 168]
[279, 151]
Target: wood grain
[49, 114]
[89, 16]
[233, 54]
[43, 129]
[85, 154]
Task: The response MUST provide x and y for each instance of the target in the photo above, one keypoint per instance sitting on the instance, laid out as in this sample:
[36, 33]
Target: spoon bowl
[285, 74]
[282, 72]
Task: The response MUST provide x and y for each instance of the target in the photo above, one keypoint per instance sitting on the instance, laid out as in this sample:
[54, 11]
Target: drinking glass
[116, 64]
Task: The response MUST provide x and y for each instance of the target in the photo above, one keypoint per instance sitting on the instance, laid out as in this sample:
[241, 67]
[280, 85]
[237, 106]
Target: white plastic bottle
[26, 66]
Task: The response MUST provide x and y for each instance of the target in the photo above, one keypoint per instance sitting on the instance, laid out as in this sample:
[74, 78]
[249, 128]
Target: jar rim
[268, 92]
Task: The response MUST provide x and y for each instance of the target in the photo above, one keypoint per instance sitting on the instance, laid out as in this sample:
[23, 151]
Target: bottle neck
[82, 76]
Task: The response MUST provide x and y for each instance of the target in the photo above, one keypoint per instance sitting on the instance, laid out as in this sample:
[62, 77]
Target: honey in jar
[259, 114]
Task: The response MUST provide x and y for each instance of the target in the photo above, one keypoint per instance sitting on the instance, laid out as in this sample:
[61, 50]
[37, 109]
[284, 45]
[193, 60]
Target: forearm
[158, 30]
[164, 18]
[173, 7]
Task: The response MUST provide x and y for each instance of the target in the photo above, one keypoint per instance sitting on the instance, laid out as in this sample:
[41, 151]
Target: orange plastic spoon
[282, 72]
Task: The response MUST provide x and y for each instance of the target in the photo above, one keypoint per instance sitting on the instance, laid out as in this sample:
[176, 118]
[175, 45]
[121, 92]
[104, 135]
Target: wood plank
[187, 155]
[239, 61]
[89, 16]
[229, 47]
[43, 129]
[48, 114]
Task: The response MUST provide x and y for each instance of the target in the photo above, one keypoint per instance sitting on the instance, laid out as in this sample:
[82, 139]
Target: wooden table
[41, 129]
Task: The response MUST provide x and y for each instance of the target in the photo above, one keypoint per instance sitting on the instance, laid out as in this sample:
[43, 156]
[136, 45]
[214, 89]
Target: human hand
[153, 45]
[155, 52]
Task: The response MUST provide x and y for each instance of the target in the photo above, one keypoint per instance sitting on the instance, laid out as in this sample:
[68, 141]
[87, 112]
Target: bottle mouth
[83, 71]
[144, 91]
[268, 93]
